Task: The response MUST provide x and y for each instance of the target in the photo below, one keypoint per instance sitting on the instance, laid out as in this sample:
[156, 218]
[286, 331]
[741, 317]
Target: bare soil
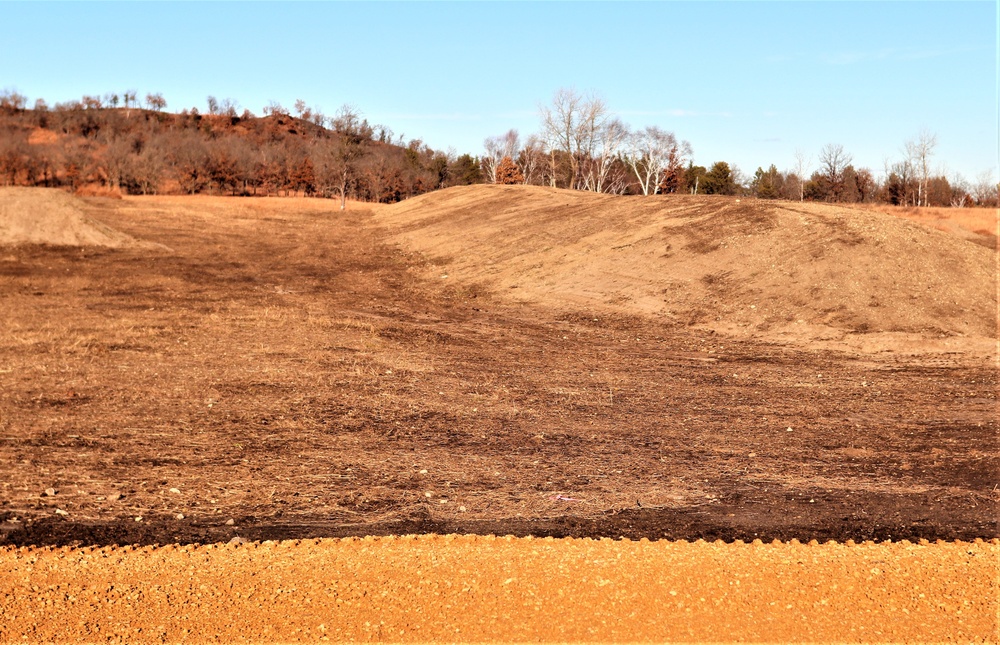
[274, 368]
[485, 589]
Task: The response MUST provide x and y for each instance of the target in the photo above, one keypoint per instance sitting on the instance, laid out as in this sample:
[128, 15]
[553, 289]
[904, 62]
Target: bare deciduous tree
[918, 152]
[985, 190]
[802, 162]
[571, 125]
[833, 160]
[495, 149]
[650, 153]
[607, 139]
[155, 101]
[531, 158]
[337, 166]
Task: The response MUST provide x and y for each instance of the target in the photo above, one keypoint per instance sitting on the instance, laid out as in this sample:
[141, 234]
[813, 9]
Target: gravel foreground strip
[485, 588]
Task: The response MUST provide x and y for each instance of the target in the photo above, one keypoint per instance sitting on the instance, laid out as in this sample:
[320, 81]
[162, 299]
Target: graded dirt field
[276, 369]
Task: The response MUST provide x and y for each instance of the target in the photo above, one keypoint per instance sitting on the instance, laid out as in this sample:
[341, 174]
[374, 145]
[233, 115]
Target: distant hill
[139, 151]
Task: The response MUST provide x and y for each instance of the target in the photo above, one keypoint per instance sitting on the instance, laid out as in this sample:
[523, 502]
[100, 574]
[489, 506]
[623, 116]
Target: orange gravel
[468, 588]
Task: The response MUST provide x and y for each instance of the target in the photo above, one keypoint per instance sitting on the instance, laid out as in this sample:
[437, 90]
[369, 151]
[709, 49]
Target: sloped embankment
[53, 217]
[739, 266]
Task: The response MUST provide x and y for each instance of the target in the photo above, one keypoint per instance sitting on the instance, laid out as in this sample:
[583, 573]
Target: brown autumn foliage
[98, 147]
[508, 173]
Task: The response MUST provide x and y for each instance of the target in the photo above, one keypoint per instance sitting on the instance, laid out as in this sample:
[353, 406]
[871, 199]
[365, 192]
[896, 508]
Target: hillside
[746, 267]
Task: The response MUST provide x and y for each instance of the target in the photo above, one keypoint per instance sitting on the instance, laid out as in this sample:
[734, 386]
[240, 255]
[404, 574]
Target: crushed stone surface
[484, 588]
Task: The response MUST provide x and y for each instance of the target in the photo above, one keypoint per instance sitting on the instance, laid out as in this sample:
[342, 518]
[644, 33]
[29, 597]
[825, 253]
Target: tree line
[123, 143]
[582, 145]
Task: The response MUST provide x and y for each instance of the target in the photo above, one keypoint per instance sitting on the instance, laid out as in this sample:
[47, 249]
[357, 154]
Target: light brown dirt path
[466, 588]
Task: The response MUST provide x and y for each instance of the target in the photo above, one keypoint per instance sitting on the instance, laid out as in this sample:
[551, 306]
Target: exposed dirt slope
[53, 217]
[486, 589]
[748, 267]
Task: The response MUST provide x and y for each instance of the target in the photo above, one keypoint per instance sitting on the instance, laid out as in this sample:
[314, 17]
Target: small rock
[239, 540]
[180, 516]
[59, 511]
[175, 491]
[138, 519]
[230, 522]
[423, 472]
[50, 492]
[788, 429]
[461, 508]
[114, 497]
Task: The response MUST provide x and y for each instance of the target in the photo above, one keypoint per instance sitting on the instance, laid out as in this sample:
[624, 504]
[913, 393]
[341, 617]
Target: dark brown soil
[281, 366]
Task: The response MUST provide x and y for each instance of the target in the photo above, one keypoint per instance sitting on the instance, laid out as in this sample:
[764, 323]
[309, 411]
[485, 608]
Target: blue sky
[745, 82]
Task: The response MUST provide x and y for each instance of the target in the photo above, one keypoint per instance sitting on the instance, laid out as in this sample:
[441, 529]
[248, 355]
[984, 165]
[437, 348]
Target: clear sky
[745, 82]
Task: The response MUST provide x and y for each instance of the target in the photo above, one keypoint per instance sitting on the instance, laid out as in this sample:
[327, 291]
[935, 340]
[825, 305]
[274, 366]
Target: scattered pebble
[180, 516]
[423, 472]
[788, 429]
[175, 491]
[50, 492]
[230, 522]
[59, 511]
[461, 508]
[139, 518]
[114, 497]
[238, 540]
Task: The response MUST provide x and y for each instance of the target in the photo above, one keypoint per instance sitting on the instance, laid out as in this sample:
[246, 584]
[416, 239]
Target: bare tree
[273, 108]
[229, 107]
[918, 152]
[802, 163]
[114, 160]
[13, 152]
[349, 122]
[899, 182]
[337, 165]
[607, 141]
[531, 158]
[155, 101]
[495, 149]
[833, 160]
[985, 190]
[12, 101]
[213, 105]
[572, 125]
[130, 97]
[960, 191]
[650, 153]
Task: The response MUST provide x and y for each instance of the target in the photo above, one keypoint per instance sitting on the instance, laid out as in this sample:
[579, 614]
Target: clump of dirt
[743, 267]
[55, 218]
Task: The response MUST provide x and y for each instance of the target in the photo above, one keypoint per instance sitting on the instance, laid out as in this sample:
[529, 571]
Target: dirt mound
[747, 267]
[53, 217]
